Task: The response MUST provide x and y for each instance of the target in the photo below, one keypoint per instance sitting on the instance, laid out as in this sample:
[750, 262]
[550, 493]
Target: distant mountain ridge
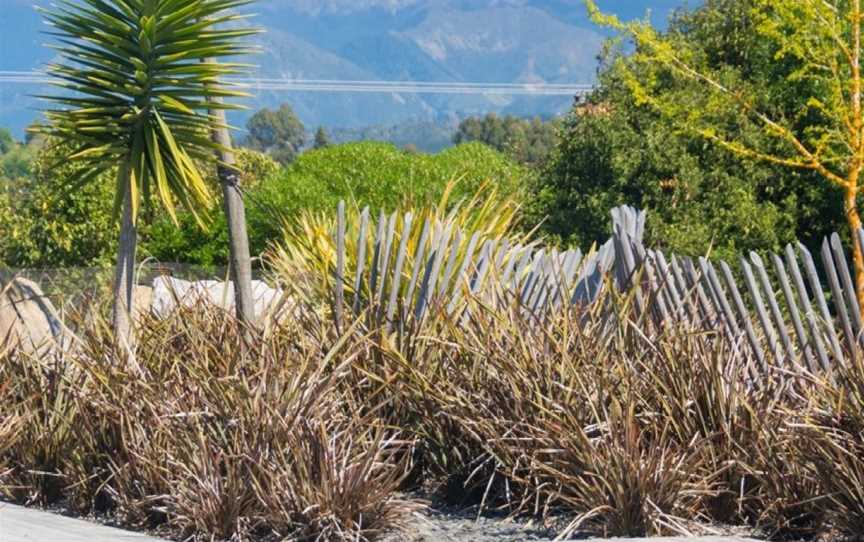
[500, 41]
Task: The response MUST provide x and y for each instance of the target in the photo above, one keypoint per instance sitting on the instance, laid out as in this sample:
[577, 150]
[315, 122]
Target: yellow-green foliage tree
[53, 221]
[821, 41]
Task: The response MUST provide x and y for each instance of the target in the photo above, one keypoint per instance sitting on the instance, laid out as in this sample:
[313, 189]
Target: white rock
[28, 319]
[169, 293]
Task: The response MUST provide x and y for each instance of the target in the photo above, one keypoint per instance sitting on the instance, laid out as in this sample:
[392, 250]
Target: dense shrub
[49, 221]
[55, 222]
[368, 173]
[15, 162]
[383, 176]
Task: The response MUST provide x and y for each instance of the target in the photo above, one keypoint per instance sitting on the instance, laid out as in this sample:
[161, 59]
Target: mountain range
[480, 41]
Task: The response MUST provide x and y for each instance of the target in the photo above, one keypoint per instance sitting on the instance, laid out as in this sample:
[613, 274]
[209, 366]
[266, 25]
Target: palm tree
[137, 95]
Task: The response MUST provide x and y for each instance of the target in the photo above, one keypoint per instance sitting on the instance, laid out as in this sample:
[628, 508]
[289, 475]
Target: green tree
[137, 99]
[816, 46]
[321, 139]
[616, 149]
[532, 141]
[15, 160]
[278, 133]
[696, 195]
[6, 141]
[55, 222]
[528, 141]
[15, 163]
[489, 129]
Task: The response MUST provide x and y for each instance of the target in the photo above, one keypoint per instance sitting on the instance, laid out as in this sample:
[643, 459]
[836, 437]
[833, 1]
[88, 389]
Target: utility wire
[359, 86]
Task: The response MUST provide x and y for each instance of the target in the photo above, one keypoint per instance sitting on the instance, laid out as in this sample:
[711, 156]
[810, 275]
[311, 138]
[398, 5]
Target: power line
[360, 86]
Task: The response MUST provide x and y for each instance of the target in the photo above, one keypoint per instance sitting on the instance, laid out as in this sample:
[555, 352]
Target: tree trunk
[854, 221]
[124, 277]
[240, 263]
[235, 213]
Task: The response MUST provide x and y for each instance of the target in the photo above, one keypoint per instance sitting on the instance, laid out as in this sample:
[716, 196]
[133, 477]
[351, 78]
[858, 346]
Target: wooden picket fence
[783, 314]
[779, 314]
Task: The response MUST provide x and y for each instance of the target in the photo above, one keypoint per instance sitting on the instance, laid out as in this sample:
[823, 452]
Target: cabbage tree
[137, 96]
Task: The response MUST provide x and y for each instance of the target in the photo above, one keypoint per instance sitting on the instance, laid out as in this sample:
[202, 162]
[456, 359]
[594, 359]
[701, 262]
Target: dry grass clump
[570, 419]
[626, 429]
[202, 437]
[829, 443]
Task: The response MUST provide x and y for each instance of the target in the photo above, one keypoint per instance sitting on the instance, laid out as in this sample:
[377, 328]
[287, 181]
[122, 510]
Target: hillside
[418, 40]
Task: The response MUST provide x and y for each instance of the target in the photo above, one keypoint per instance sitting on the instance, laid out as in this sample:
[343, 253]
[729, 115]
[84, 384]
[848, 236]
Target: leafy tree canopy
[620, 148]
[528, 141]
[6, 141]
[278, 133]
[53, 221]
[803, 113]
[321, 138]
[15, 164]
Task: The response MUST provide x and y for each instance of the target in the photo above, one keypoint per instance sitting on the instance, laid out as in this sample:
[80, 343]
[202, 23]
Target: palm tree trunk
[124, 277]
[235, 213]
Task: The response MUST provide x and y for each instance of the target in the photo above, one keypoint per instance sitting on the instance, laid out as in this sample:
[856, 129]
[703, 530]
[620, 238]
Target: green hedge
[379, 175]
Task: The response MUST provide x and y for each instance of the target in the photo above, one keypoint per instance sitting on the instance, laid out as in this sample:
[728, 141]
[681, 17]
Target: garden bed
[587, 425]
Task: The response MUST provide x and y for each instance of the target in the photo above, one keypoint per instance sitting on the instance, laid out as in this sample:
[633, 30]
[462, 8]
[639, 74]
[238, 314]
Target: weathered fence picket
[795, 314]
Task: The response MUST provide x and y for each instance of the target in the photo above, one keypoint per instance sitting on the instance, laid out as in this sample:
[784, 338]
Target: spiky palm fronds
[137, 87]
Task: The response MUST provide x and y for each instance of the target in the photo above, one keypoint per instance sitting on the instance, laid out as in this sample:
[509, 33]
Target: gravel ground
[453, 526]
[438, 526]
